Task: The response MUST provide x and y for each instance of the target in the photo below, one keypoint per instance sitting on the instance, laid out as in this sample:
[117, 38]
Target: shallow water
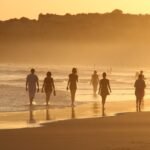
[13, 96]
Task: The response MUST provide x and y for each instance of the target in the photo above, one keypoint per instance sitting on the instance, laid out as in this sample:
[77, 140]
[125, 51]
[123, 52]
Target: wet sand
[127, 130]
[34, 117]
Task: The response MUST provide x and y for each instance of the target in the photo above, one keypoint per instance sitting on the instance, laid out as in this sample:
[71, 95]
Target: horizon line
[73, 14]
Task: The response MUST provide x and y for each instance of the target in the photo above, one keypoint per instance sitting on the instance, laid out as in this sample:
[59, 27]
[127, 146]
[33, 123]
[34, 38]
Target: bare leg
[137, 105]
[94, 89]
[103, 102]
[31, 101]
[73, 92]
[31, 96]
[47, 97]
[103, 112]
[140, 104]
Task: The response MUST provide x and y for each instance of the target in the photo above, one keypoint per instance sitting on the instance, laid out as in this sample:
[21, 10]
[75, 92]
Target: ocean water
[13, 96]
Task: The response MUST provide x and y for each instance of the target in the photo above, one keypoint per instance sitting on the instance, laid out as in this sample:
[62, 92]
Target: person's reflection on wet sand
[47, 114]
[31, 115]
[103, 112]
[73, 115]
[96, 108]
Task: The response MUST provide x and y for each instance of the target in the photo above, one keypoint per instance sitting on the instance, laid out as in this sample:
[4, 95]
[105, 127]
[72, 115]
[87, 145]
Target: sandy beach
[75, 75]
[83, 127]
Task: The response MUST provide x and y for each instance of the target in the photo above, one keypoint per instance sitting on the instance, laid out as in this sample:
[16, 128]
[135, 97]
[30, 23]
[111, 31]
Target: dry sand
[125, 131]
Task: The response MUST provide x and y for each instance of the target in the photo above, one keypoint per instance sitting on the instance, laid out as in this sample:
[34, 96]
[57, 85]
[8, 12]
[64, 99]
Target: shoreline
[124, 131]
[36, 118]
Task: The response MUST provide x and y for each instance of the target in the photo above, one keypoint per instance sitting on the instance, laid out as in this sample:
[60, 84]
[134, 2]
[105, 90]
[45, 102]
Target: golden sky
[31, 8]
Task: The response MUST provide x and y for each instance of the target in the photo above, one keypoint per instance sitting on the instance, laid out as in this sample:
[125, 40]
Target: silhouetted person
[142, 74]
[48, 87]
[94, 82]
[31, 82]
[104, 89]
[139, 91]
[109, 70]
[72, 84]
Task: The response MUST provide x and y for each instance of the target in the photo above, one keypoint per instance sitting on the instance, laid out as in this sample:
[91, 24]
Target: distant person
[72, 84]
[48, 87]
[139, 91]
[31, 82]
[109, 70]
[142, 74]
[95, 81]
[104, 89]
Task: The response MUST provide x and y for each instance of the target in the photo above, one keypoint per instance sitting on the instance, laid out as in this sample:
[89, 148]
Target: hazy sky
[31, 8]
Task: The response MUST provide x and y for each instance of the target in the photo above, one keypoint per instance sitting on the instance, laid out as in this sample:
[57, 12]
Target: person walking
[139, 91]
[48, 87]
[104, 89]
[72, 84]
[32, 82]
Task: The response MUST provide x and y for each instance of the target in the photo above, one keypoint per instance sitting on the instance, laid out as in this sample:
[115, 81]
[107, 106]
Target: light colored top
[32, 79]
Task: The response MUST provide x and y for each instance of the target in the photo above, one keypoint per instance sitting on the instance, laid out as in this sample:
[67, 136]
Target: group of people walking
[32, 86]
[104, 86]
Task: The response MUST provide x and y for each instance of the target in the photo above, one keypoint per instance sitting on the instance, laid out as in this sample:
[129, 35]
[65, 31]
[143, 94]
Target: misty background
[111, 39]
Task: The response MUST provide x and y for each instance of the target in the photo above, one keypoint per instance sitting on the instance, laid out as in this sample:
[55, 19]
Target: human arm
[37, 84]
[109, 86]
[98, 79]
[43, 86]
[144, 85]
[135, 84]
[27, 84]
[53, 85]
[68, 84]
[99, 91]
